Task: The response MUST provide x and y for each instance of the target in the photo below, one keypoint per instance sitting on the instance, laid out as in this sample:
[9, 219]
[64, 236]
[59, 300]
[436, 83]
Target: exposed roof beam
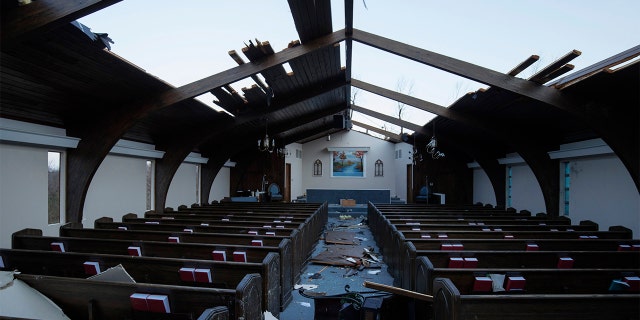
[384, 117]
[467, 70]
[44, 15]
[348, 30]
[391, 135]
[240, 72]
[417, 103]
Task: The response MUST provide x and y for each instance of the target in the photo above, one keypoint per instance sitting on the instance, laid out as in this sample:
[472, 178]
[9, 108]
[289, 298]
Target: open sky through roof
[184, 41]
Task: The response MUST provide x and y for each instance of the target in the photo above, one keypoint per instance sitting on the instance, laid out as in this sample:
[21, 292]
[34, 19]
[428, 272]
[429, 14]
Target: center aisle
[322, 275]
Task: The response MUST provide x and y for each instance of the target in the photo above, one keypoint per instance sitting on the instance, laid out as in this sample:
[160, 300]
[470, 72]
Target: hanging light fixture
[266, 144]
[432, 146]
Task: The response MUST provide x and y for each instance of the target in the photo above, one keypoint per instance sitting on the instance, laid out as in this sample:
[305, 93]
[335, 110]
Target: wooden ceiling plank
[556, 73]
[467, 70]
[238, 59]
[523, 65]
[554, 65]
[45, 15]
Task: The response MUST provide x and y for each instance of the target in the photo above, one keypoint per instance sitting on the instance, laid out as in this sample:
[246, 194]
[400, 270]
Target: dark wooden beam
[415, 102]
[44, 15]
[240, 72]
[390, 119]
[348, 30]
[393, 136]
[467, 70]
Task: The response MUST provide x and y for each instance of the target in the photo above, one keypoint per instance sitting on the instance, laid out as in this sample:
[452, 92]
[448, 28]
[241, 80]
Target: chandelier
[432, 146]
[266, 144]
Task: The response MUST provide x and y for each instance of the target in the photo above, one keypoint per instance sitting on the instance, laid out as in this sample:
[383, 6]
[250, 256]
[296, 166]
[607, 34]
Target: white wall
[602, 190]
[183, 187]
[118, 187]
[404, 158]
[379, 149]
[294, 158]
[221, 185]
[526, 193]
[23, 191]
[482, 189]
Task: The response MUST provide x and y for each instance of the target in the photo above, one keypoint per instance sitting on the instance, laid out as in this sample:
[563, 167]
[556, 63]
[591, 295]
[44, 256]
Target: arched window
[379, 168]
[317, 168]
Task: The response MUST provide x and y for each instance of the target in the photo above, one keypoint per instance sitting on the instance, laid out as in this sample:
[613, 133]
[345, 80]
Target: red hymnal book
[256, 243]
[158, 303]
[91, 268]
[253, 232]
[633, 282]
[624, 247]
[565, 263]
[457, 246]
[203, 275]
[219, 255]
[134, 251]
[455, 262]
[57, 246]
[482, 284]
[270, 233]
[470, 263]
[239, 256]
[532, 247]
[446, 246]
[174, 239]
[187, 274]
[139, 301]
[515, 283]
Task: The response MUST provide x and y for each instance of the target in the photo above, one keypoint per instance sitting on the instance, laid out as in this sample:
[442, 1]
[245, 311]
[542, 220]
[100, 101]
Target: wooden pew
[404, 257]
[393, 247]
[452, 304]
[92, 299]
[290, 255]
[177, 226]
[32, 239]
[515, 259]
[315, 217]
[226, 275]
[538, 281]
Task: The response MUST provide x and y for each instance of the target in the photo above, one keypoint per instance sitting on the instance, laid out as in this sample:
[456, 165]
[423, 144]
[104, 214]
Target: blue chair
[274, 192]
[423, 195]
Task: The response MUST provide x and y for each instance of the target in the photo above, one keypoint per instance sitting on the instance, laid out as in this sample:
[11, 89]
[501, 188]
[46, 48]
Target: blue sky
[184, 41]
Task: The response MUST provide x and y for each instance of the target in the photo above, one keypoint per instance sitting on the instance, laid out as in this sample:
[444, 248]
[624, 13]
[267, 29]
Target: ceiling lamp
[432, 146]
[266, 144]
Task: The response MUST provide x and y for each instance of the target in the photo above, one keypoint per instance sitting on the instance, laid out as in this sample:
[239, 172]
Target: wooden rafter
[386, 118]
[467, 70]
[391, 135]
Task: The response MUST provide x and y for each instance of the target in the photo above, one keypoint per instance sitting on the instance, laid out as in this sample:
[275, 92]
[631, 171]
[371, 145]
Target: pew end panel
[248, 293]
[449, 304]
[215, 313]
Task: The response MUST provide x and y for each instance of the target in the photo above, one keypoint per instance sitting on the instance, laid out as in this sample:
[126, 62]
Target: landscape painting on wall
[348, 164]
